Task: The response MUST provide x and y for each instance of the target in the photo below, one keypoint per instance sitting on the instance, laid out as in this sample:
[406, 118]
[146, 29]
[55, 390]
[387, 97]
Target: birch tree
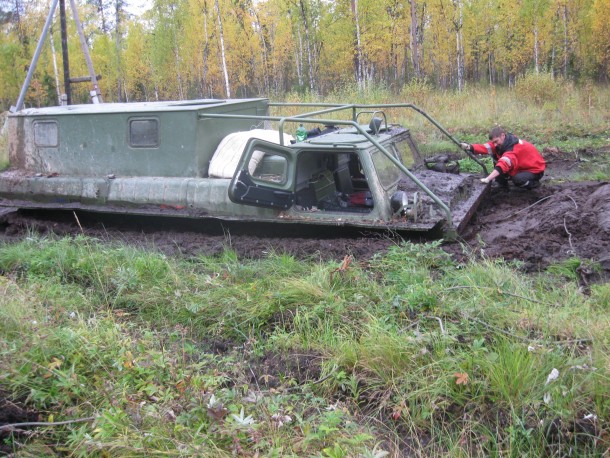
[222, 51]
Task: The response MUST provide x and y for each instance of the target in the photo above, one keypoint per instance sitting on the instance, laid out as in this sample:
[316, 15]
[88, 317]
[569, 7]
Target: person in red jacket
[514, 159]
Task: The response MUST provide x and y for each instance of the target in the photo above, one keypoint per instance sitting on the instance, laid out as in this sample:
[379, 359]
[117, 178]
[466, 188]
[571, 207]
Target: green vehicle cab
[222, 159]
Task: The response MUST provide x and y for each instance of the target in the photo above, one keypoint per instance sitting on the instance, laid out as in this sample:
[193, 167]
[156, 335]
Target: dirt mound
[539, 227]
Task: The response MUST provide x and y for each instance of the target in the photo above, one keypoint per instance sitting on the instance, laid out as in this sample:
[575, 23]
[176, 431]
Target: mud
[13, 412]
[543, 226]
[557, 221]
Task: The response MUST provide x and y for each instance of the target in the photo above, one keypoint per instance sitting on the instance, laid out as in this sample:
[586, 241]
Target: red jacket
[522, 157]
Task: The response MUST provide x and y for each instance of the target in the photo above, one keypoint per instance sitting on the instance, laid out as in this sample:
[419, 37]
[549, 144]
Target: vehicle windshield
[387, 171]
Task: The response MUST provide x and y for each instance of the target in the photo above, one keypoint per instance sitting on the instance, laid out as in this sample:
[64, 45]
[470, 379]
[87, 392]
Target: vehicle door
[265, 176]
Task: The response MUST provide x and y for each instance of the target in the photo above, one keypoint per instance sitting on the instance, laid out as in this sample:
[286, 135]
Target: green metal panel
[94, 139]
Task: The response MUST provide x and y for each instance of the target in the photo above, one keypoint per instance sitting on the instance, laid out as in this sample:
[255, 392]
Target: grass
[3, 151]
[408, 353]
[547, 112]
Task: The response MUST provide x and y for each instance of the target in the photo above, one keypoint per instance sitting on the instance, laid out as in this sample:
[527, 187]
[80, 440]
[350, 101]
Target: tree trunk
[55, 72]
[118, 50]
[309, 47]
[261, 36]
[299, 57]
[459, 45]
[222, 52]
[565, 41]
[358, 60]
[100, 10]
[414, 42]
[206, 49]
[178, 73]
[536, 52]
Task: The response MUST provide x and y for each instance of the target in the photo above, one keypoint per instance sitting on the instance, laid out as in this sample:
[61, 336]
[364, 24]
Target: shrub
[540, 88]
[417, 91]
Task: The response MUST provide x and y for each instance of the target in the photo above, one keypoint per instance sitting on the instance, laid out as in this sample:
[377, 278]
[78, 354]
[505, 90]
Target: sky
[137, 7]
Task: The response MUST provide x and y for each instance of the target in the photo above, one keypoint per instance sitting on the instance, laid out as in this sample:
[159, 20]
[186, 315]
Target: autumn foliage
[179, 49]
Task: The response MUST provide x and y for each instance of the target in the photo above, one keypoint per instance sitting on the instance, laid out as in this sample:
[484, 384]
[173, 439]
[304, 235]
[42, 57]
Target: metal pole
[96, 96]
[64, 51]
[55, 72]
[28, 78]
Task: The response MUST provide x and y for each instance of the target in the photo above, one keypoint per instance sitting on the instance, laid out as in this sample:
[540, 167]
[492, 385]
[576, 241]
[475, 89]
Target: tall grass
[547, 111]
[408, 353]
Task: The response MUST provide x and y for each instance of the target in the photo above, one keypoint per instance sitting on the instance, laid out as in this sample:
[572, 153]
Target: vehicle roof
[350, 138]
[133, 107]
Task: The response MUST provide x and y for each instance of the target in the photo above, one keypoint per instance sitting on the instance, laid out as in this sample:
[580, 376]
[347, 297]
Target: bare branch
[14, 426]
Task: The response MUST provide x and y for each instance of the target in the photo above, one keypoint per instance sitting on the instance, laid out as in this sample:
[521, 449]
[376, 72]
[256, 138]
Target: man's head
[497, 135]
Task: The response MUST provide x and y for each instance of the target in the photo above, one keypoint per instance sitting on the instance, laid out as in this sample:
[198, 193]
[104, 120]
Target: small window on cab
[143, 133]
[46, 134]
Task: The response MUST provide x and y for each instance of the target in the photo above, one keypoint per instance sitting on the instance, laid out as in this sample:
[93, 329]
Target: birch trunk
[206, 49]
[261, 37]
[178, 74]
[565, 41]
[222, 52]
[55, 72]
[298, 56]
[308, 45]
[358, 60]
[460, 47]
[414, 44]
[118, 50]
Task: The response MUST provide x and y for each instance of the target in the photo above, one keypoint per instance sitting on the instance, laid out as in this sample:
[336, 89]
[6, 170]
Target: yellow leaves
[461, 378]
[128, 363]
[345, 264]
[54, 364]
[181, 386]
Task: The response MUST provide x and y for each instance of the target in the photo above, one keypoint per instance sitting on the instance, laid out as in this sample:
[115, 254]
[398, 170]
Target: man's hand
[466, 146]
[485, 180]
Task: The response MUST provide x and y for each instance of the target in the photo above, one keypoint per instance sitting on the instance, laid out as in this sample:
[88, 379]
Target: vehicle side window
[267, 167]
[332, 181]
[46, 134]
[143, 133]
[403, 152]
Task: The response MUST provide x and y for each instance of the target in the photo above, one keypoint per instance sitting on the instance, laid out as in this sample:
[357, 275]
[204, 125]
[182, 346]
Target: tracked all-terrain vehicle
[214, 159]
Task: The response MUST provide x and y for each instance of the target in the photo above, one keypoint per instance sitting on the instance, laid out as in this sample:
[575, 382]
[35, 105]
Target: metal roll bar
[354, 107]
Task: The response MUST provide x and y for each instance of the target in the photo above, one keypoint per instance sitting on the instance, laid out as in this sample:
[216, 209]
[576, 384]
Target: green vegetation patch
[406, 353]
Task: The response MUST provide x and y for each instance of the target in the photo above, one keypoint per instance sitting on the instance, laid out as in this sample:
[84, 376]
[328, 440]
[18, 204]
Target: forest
[186, 49]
